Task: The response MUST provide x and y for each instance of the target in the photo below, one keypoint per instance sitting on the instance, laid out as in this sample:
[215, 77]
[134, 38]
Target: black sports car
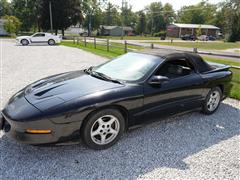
[99, 103]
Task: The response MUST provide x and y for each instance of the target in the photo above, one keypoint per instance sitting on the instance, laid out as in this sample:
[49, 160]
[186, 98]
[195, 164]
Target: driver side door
[38, 38]
[181, 92]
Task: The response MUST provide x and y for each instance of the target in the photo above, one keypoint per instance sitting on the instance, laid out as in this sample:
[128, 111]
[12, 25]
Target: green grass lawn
[117, 51]
[202, 45]
[102, 50]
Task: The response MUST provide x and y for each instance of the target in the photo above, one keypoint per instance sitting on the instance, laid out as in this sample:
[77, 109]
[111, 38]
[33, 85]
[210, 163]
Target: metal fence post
[107, 45]
[195, 50]
[95, 45]
[85, 41]
[125, 46]
[152, 46]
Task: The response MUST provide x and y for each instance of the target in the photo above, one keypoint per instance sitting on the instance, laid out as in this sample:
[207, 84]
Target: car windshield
[129, 67]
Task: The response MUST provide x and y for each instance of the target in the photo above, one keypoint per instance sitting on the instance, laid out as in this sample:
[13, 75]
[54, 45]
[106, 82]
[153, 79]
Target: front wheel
[24, 42]
[103, 129]
[212, 101]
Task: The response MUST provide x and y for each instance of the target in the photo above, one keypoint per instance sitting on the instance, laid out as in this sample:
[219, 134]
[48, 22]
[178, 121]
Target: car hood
[54, 90]
[22, 37]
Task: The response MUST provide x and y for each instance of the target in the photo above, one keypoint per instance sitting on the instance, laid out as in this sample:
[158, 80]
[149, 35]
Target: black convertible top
[197, 60]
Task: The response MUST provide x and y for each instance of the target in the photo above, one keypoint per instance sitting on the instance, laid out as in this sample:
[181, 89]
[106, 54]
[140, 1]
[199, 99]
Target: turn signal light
[38, 131]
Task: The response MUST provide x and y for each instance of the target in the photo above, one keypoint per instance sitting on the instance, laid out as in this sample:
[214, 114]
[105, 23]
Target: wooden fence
[101, 42]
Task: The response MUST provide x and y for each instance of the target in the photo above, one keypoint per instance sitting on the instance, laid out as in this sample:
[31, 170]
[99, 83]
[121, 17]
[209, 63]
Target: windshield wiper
[105, 77]
[101, 75]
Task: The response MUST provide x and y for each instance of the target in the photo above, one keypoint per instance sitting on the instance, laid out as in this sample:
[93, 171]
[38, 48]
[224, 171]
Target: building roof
[203, 26]
[125, 28]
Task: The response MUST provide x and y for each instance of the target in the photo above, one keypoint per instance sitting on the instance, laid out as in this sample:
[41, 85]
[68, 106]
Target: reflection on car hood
[64, 87]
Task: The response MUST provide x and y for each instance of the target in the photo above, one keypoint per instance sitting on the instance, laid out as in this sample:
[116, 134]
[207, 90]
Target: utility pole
[122, 19]
[90, 24]
[50, 14]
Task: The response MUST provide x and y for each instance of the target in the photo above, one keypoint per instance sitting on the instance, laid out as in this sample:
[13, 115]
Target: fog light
[38, 131]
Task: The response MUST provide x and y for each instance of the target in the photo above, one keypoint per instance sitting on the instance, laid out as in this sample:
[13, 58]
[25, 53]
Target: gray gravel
[192, 146]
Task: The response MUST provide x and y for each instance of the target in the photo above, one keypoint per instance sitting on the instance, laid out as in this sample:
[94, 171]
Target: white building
[2, 31]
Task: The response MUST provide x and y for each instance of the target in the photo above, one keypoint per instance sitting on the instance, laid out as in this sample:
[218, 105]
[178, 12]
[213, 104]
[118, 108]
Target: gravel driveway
[192, 146]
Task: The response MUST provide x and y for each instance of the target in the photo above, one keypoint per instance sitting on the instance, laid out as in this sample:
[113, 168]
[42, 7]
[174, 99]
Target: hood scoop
[41, 93]
[67, 86]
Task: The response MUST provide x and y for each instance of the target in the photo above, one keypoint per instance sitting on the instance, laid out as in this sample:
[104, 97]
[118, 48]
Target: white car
[39, 37]
[203, 38]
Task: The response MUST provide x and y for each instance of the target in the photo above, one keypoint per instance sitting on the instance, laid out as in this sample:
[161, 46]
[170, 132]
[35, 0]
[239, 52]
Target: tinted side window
[39, 35]
[175, 68]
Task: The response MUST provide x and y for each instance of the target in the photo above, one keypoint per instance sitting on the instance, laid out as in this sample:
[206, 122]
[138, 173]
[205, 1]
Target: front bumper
[59, 132]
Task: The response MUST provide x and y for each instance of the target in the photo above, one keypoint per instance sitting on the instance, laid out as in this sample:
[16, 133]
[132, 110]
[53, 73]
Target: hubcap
[213, 101]
[25, 42]
[51, 42]
[105, 129]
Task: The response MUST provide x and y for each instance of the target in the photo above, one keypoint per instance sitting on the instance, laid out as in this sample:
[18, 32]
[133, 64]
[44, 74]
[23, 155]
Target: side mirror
[157, 80]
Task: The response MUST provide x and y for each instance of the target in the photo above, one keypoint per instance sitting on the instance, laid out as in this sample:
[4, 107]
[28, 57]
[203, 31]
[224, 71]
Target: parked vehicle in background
[203, 38]
[189, 37]
[207, 38]
[212, 38]
[39, 37]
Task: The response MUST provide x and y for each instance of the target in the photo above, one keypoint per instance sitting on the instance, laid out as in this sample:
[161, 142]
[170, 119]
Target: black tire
[24, 42]
[92, 121]
[205, 106]
[51, 42]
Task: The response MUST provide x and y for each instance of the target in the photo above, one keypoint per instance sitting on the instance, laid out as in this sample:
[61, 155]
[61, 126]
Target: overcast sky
[177, 4]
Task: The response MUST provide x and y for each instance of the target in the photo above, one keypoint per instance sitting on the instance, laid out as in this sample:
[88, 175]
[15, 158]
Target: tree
[93, 15]
[168, 13]
[228, 19]
[5, 8]
[155, 17]
[11, 24]
[129, 18]
[64, 14]
[141, 23]
[27, 11]
[201, 13]
[111, 15]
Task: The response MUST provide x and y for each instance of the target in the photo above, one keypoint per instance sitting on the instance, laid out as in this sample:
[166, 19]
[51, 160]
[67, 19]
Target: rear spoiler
[60, 36]
[216, 67]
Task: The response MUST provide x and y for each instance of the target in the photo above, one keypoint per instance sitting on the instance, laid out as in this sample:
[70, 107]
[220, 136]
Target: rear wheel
[212, 101]
[103, 129]
[24, 42]
[51, 42]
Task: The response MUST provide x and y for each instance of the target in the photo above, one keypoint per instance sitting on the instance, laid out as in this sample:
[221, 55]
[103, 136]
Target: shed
[2, 30]
[115, 30]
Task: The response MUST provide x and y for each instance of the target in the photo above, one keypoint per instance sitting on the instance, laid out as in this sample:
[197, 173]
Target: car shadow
[162, 144]
[40, 44]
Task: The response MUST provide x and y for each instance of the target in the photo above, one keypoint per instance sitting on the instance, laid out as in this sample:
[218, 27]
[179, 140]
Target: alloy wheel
[51, 42]
[105, 129]
[213, 101]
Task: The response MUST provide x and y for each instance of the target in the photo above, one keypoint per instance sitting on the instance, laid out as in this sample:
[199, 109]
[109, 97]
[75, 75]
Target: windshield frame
[157, 60]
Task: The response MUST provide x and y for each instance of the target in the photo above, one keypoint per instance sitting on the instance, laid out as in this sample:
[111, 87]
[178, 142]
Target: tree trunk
[62, 32]
[56, 31]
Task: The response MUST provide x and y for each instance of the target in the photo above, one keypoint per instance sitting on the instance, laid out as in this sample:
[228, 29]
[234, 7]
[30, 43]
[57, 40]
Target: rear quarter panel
[221, 79]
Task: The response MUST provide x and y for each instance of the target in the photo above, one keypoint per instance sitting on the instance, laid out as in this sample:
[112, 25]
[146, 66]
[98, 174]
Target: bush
[160, 34]
[12, 24]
